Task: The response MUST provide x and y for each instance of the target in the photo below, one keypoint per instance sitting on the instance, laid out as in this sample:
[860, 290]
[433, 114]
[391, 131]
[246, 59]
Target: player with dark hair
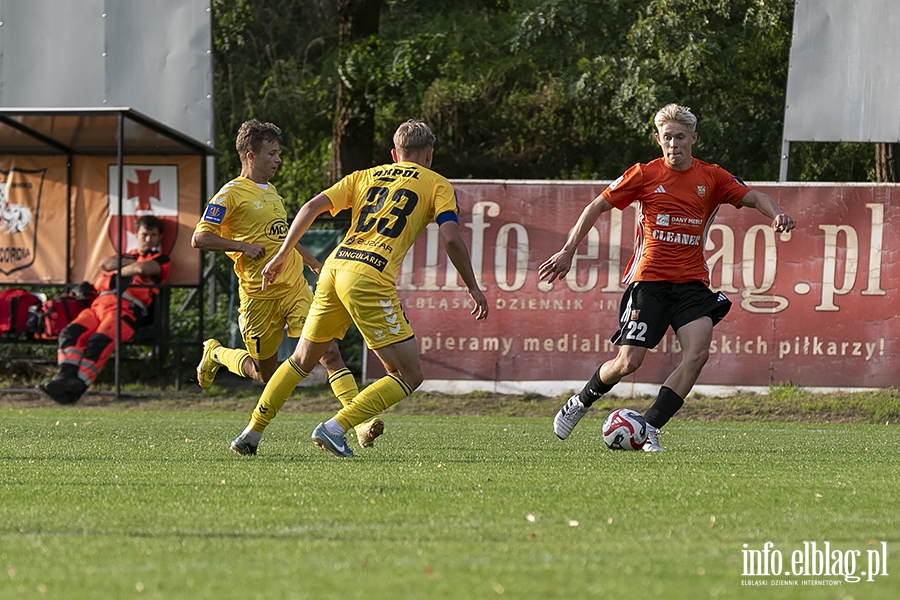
[391, 204]
[86, 343]
[247, 221]
[667, 277]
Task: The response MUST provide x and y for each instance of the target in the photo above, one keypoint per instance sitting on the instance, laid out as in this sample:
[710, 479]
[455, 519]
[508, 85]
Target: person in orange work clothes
[86, 343]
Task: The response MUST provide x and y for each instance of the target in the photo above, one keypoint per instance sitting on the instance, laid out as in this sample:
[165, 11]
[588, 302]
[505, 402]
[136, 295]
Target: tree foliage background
[539, 89]
[513, 89]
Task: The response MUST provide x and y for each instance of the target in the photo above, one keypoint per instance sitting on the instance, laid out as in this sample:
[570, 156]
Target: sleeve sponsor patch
[616, 183]
[214, 213]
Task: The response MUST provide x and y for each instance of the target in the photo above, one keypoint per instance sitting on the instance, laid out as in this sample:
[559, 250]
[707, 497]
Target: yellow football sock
[232, 358]
[343, 385]
[277, 391]
[373, 400]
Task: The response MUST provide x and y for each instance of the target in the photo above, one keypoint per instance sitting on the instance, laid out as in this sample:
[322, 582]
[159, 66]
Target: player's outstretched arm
[768, 207]
[209, 241]
[308, 213]
[559, 264]
[458, 253]
[308, 259]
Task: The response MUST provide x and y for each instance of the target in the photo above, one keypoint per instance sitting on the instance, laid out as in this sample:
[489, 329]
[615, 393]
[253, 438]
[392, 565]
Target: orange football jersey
[675, 211]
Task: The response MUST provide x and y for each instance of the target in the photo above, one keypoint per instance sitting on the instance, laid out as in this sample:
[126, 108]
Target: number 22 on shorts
[636, 330]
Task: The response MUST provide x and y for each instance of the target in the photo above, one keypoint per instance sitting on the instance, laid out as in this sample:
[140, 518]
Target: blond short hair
[677, 114]
[413, 137]
[252, 134]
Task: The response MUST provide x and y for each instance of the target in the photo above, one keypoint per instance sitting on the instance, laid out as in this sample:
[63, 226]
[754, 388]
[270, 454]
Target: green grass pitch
[151, 504]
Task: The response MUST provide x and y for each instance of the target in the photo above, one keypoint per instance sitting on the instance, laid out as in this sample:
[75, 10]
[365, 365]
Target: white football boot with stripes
[568, 416]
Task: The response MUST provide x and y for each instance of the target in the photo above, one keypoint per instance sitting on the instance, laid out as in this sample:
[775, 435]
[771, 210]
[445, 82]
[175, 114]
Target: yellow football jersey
[244, 212]
[391, 205]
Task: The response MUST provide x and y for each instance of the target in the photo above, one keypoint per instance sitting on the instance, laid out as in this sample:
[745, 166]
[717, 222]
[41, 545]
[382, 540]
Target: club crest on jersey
[150, 189]
[635, 314]
[701, 190]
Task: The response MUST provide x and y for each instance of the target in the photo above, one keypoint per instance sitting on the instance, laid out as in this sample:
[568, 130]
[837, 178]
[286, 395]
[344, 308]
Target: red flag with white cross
[148, 190]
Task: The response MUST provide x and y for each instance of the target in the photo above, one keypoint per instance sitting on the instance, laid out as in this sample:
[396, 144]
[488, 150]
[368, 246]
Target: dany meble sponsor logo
[813, 564]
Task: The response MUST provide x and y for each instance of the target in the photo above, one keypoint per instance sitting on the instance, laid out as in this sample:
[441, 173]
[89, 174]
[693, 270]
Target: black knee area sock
[96, 344]
[593, 389]
[69, 335]
[68, 371]
[667, 404]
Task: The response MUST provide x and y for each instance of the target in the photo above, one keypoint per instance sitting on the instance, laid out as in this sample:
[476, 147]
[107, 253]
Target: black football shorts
[648, 308]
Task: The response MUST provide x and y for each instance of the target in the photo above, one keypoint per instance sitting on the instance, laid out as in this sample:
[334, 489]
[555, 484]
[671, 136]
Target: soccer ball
[624, 429]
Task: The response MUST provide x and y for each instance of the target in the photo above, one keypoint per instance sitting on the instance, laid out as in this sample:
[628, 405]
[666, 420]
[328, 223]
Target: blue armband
[447, 216]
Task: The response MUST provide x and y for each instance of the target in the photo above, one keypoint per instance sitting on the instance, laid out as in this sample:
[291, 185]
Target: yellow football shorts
[262, 321]
[343, 297]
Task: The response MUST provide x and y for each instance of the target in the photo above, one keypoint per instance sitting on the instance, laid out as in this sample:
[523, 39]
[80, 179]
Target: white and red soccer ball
[624, 429]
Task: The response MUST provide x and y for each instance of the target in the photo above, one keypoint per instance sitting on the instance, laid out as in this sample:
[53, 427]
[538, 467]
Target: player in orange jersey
[667, 276]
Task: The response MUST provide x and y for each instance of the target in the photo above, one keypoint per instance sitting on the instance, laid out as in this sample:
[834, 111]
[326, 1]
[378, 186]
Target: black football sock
[667, 404]
[593, 389]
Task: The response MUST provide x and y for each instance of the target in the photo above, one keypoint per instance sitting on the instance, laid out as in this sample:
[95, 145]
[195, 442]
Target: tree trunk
[353, 135]
[887, 157]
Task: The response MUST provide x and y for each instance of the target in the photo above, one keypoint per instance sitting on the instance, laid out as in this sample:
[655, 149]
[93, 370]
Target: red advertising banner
[810, 307]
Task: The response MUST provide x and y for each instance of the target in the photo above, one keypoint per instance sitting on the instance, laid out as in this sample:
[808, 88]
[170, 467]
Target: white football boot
[568, 416]
[652, 444]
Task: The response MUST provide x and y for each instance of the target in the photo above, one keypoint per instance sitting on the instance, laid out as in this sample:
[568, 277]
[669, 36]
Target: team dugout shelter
[72, 184]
